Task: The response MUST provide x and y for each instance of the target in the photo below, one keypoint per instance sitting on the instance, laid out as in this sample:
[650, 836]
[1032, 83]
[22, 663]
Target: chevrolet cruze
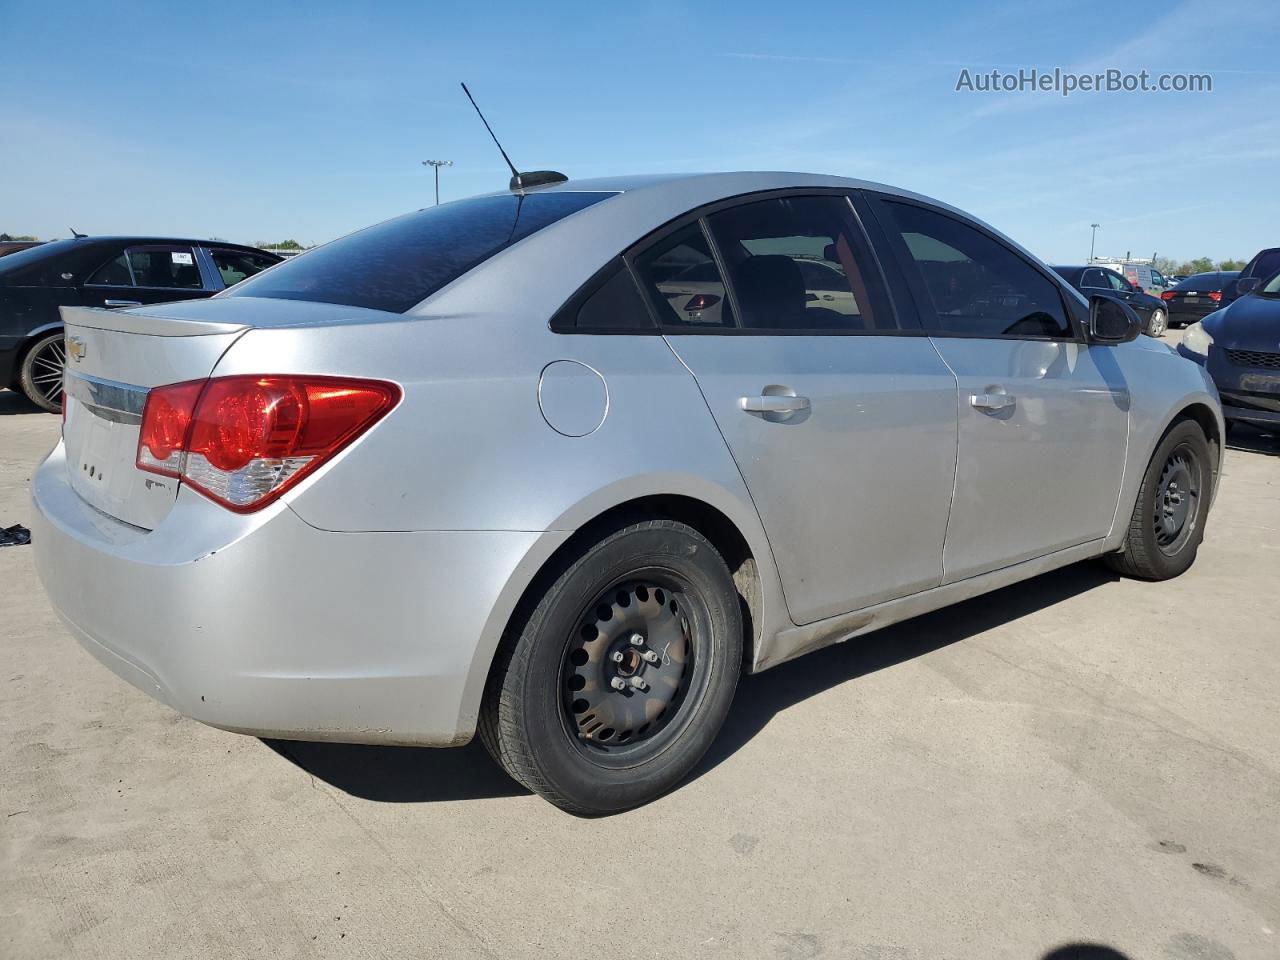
[557, 463]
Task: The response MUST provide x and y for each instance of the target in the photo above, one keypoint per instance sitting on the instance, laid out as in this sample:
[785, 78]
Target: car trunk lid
[114, 358]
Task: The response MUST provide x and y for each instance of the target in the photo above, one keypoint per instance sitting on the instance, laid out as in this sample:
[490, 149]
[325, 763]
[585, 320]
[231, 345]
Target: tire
[1164, 535]
[1158, 323]
[40, 373]
[551, 716]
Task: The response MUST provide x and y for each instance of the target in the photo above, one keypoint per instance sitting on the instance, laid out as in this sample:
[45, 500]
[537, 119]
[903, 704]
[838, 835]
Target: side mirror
[1111, 321]
[1247, 285]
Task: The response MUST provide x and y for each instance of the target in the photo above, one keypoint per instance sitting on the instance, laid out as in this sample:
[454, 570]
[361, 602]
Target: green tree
[1232, 264]
[5, 236]
[1166, 265]
[1198, 265]
[283, 245]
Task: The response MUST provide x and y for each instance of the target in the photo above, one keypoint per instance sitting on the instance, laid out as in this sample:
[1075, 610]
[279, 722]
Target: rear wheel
[1168, 520]
[1158, 324]
[40, 374]
[610, 690]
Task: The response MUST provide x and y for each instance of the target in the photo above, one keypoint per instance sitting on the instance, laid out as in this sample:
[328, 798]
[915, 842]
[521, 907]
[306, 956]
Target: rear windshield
[1206, 281]
[396, 264]
[29, 265]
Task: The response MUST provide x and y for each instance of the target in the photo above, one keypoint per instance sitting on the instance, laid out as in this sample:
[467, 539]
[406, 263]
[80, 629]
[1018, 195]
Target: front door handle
[773, 404]
[122, 303]
[992, 402]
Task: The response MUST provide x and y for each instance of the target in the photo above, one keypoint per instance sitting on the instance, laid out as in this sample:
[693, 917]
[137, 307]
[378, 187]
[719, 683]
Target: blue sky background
[273, 120]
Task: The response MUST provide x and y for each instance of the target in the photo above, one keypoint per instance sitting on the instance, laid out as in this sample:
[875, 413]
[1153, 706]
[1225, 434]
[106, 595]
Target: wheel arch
[739, 542]
[28, 341]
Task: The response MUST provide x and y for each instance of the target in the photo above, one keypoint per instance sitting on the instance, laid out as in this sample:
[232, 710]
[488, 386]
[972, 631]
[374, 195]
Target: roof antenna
[519, 181]
[78, 236]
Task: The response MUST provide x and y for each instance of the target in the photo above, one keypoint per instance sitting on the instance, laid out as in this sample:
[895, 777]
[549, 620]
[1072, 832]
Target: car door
[842, 422]
[1043, 416]
[147, 273]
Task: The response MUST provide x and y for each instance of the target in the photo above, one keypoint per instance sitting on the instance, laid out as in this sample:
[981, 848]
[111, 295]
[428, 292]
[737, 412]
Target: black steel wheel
[1177, 499]
[40, 376]
[1168, 520]
[610, 689]
[628, 669]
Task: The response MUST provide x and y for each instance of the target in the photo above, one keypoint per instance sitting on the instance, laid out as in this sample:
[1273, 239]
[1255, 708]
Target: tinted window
[1266, 264]
[396, 264]
[614, 305]
[236, 265]
[1095, 280]
[798, 263]
[977, 286]
[113, 274]
[665, 269]
[1204, 281]
[1116, 281]
[162, 266]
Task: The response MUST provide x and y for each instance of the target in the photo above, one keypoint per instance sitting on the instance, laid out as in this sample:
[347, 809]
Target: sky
[271, 121]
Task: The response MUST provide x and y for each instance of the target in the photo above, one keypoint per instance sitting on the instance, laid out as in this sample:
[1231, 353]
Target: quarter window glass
[236, 265]
[171, 267]
[616, 305]
[113, 274]
[798, 263]
[684, 281]
[1094, 279]
[977, 286]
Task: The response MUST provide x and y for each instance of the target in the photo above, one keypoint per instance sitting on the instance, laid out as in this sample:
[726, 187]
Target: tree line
[1170, 267]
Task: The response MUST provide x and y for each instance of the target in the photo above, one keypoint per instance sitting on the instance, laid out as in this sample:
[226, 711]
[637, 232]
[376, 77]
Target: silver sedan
[556, 465]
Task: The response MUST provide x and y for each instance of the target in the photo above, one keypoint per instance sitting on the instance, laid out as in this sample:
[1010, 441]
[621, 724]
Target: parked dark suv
[99, 272]
[1101, 281]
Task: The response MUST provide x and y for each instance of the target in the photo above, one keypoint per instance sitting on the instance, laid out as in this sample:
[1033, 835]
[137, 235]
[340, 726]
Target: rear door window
[397, 264]
[113, 274]
[236, 265]
[165, 267]
[800, 264]
[1094, 280]
[977, 286]
[684, 281]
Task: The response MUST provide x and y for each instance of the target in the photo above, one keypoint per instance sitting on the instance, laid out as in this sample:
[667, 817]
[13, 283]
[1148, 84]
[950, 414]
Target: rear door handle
[773, 404]
[992, 402]
[122, 303]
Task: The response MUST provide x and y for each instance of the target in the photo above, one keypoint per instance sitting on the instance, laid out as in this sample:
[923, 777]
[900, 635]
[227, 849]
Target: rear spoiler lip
[144, 324]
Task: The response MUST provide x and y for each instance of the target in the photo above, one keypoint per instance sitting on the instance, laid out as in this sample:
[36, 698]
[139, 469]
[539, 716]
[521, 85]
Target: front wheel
[1158, 324]
[40, 375]
[611, 689]
[1168, 520]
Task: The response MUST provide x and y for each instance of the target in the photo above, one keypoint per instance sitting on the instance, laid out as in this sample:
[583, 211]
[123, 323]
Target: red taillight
[243, 441]
[701, 301]
[1167, 295]
[1215, 295]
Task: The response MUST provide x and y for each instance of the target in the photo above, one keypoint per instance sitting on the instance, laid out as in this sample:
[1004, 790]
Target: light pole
[1092, 238]
[437, 164]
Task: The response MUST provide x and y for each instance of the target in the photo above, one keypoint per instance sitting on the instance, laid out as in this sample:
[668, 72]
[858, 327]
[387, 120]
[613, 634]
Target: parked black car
[1263, 265]
[1197, 296]
[99, 272]
[1100, 281]
[1240, 347]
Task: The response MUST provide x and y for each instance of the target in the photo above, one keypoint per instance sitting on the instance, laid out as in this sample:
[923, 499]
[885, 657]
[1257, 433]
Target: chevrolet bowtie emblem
[76, 349]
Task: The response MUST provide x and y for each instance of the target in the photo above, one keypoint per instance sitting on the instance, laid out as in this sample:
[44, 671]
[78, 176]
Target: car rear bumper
[268, 626]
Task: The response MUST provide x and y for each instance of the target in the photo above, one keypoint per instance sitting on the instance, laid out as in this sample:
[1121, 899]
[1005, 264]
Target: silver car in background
[555, 464]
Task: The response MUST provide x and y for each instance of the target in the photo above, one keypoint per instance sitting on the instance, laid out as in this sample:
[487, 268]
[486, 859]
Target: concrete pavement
[1076, 759]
